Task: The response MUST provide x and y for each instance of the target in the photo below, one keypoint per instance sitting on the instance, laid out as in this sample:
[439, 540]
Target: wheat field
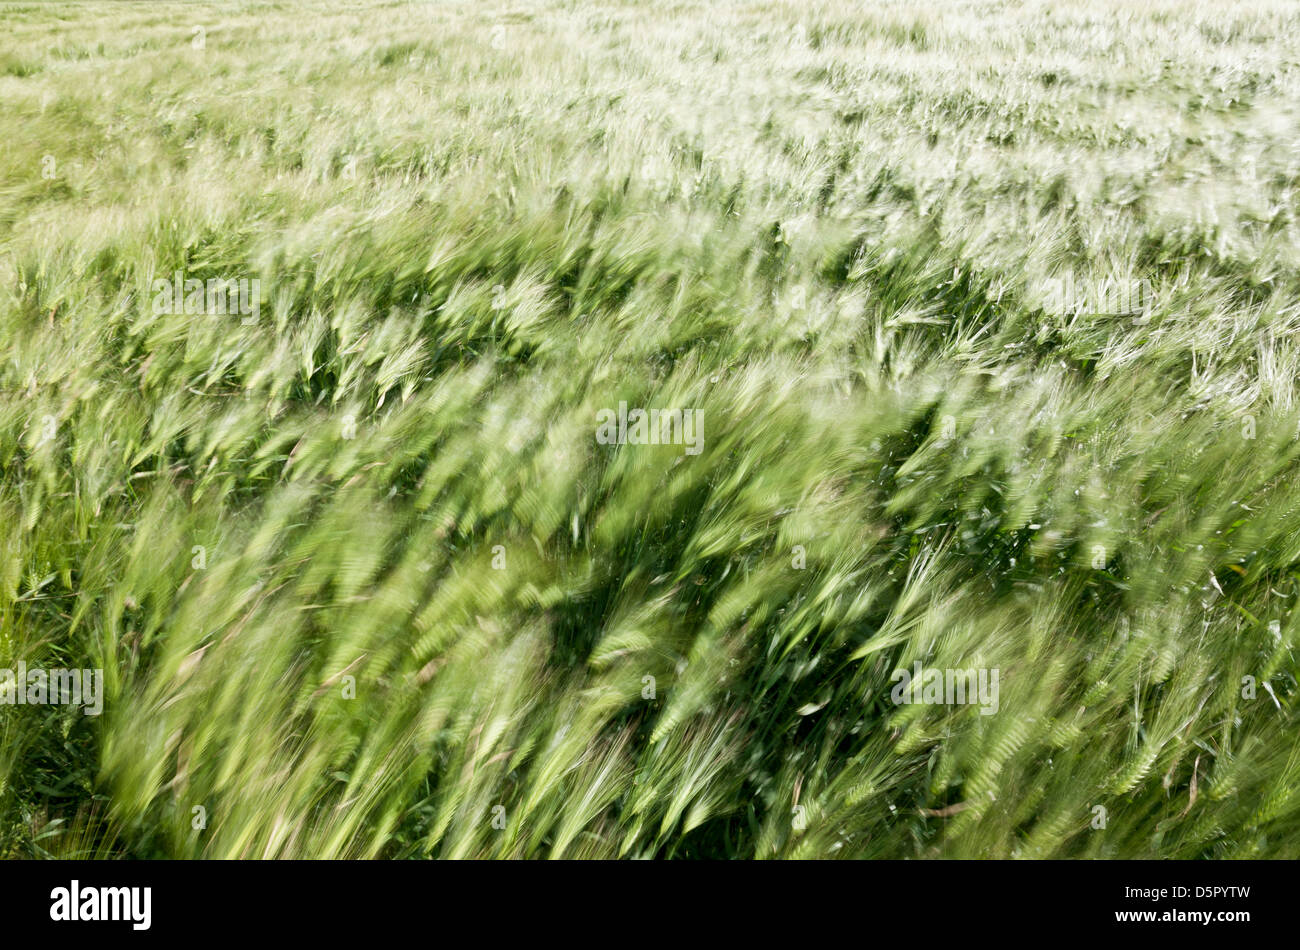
[971, 334]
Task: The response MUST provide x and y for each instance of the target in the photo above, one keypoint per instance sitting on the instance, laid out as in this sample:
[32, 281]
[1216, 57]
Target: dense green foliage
[824, 225]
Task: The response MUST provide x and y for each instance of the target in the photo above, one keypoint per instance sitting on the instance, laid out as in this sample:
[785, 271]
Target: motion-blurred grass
[822, 224]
